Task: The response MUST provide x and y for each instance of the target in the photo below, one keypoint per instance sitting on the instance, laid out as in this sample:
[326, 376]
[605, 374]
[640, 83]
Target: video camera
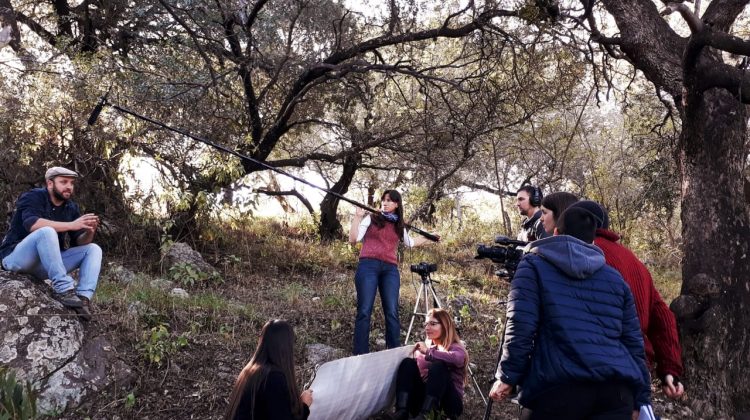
[423, 268]
[505, 253]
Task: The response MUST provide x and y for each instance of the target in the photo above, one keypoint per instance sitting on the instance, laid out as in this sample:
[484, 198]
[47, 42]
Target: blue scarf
[391, 217]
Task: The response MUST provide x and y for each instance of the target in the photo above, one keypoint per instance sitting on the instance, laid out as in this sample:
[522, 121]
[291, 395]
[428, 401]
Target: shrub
[17, 399]
[159, 344]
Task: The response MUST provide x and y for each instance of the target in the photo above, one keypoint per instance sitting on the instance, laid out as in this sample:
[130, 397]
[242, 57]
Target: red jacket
[658, 324]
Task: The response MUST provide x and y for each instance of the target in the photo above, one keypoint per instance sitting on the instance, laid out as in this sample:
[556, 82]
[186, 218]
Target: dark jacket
[271, 403]
[571, 319]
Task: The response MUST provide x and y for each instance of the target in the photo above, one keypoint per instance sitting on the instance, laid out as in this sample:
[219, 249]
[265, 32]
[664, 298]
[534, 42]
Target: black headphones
[536, 196]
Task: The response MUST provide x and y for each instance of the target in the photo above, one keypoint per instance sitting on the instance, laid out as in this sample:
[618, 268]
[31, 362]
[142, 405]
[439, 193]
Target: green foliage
[159, 344]
[188, 275]
[17, 399]
[465, 313]
[165, 240]
[130, 401]
[334, 302]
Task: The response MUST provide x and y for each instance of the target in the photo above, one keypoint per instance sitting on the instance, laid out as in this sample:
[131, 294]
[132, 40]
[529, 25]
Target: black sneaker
[68, 299]
[84, 312]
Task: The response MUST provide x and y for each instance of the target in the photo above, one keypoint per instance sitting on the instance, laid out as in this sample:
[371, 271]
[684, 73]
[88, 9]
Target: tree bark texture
[330, 227]
[713, 309]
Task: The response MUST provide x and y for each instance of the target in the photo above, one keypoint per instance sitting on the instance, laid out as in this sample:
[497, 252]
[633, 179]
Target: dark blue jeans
[373, 275]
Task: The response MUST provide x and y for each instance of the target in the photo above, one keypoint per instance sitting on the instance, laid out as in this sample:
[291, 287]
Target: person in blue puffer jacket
[573, 342]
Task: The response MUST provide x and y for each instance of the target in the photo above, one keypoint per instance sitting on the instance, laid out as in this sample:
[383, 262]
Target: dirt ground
[196, 381]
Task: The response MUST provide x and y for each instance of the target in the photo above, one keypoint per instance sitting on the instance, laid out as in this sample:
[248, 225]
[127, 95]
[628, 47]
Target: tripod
[427, 290]
[488, 409]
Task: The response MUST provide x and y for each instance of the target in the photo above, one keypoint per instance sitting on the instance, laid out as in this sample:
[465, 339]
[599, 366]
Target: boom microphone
[103, 101]
[98, 109]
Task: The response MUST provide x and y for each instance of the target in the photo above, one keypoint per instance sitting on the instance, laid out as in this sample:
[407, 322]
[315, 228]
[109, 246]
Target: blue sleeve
[632, 339]
[521, 325]
[30, 208]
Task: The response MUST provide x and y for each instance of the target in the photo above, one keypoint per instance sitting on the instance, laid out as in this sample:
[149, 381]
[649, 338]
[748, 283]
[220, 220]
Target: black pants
[438, 385]
[590, 401]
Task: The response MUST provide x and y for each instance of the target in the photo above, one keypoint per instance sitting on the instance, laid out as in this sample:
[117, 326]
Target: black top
[271, 403]
[30, 207]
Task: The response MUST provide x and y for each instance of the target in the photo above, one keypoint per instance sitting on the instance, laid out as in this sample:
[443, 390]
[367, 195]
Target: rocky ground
[184, 348]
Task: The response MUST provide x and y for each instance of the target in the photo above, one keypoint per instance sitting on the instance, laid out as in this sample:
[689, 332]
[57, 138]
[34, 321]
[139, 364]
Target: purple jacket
[454, 358]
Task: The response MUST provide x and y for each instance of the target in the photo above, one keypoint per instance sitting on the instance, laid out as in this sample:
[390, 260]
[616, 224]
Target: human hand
[359, 212]
[421, 347]
[307, 397]
[635, 414]
[672, 388]
[88, 221]
[500, 391]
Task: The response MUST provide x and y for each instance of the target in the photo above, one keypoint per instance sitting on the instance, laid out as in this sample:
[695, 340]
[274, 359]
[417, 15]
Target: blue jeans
[373, 275]
[39, 255]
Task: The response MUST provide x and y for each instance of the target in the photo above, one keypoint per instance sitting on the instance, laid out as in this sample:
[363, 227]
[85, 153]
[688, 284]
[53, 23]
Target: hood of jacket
[572, 256]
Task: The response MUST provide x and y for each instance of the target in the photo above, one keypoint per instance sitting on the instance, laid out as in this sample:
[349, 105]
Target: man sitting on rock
[48, 238]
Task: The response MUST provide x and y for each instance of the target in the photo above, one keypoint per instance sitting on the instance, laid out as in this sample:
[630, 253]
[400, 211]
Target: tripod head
[424, 269]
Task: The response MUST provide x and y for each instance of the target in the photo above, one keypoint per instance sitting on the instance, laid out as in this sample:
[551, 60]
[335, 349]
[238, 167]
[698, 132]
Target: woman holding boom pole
[380, 235]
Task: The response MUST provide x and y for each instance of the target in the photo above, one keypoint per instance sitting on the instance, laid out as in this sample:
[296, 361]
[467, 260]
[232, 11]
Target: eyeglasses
[432, 323]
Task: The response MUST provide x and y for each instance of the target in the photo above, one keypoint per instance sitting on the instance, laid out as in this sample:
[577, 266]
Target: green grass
[272, 270]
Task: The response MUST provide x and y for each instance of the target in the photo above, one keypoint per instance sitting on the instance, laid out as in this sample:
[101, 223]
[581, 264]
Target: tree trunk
[330, 228]
[713, 309]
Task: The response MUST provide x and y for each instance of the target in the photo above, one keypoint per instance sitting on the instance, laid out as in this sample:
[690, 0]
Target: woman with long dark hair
[553, 205]
[266, 388]
[434, 379]
[380, 235]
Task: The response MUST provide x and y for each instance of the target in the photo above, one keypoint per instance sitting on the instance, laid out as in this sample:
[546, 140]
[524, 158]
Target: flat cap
[59, 171]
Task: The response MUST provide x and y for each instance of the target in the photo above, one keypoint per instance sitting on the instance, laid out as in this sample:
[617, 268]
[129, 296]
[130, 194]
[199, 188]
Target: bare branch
[734, 80]
[292, 192]
[692, 20]
[194, 37]
[721, 14]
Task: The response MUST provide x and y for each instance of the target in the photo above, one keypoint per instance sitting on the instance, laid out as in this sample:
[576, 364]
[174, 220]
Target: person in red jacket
[658, 324]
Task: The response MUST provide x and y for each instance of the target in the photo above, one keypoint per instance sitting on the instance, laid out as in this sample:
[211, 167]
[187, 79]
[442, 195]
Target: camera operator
[658, 323]
[528, 202]
[573, 340]
[380, 235]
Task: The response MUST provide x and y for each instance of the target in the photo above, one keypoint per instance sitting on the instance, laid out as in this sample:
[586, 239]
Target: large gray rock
[180, 253]
[39, 335]
[317, 353]
[121, 274]
[45, 344]
[93, 368]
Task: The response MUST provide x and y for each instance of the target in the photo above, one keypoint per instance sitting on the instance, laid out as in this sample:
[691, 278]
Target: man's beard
[58, 195]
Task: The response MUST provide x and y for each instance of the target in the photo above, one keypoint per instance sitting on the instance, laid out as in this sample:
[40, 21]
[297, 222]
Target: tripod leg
[414, 314]
[435, 298]
[476, 385]
[488, 410]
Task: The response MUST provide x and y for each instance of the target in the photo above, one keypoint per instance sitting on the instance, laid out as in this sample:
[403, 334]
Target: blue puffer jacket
[571, 319]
